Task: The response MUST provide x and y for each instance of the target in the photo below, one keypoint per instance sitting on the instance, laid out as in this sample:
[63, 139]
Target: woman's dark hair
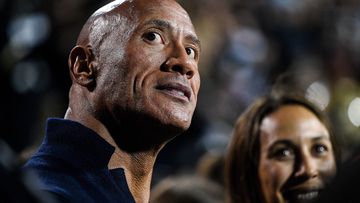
[242, 159]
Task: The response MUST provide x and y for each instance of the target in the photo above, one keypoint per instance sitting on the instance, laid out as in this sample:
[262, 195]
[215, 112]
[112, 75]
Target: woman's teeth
[308, 195]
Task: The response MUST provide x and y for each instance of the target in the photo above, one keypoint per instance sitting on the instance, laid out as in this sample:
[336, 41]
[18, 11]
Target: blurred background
[247, 47]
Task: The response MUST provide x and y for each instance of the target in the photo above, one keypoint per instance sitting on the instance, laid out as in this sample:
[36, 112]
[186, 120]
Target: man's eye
[190, 52]
[153, 37]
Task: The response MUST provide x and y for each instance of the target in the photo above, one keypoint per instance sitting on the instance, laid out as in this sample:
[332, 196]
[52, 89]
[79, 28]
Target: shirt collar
[76, 143]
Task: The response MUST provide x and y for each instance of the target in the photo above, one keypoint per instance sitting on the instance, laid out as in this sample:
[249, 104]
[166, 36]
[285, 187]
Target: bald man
[135, 82]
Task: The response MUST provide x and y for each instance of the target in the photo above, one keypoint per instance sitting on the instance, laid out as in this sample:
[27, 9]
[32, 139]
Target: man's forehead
[108, 7]
[142, 5]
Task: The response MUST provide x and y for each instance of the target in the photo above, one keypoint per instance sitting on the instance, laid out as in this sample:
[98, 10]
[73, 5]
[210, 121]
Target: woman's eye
[320, 149]
[190, 52]
[153, 37]
[283, 154]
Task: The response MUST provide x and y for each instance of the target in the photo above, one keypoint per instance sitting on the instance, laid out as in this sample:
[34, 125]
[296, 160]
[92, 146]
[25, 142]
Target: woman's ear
[81, 65]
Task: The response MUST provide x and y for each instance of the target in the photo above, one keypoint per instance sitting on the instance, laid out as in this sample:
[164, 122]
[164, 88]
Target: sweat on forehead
[105, 20]
[108, 7]
[120, 14]
[116, 3]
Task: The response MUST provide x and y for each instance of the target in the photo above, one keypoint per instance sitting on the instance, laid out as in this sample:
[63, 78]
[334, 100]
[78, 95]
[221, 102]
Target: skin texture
[296, 155]
[135, 82]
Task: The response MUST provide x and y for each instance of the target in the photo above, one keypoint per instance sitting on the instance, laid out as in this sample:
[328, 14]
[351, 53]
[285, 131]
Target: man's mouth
[176, 89]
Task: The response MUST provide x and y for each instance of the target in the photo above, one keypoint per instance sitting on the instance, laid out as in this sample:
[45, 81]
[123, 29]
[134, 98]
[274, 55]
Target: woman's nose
[307, 166]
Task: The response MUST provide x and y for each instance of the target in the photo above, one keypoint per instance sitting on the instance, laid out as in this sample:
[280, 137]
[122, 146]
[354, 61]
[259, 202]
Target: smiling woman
[282, 150]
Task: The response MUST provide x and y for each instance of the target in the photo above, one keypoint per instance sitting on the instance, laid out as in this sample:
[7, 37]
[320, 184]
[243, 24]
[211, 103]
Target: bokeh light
[354, 112]
[319, 94]
[30, 76]
[26, 32]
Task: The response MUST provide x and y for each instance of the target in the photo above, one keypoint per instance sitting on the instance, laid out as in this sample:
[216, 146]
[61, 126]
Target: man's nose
[179, 61]
[307, 166]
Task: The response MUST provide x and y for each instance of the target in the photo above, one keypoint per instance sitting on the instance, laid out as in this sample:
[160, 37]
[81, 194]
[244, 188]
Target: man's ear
[81, 65]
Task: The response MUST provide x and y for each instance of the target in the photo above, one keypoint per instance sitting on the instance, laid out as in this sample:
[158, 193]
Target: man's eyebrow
[158, 23]
[194, 40]
[166, 25]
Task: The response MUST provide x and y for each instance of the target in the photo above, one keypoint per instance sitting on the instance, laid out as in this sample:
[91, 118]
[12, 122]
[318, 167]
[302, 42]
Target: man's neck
[138, 169]
[138, 166]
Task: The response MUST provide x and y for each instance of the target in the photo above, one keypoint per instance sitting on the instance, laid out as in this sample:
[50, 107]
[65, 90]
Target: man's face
[296, 156]
[154, 72]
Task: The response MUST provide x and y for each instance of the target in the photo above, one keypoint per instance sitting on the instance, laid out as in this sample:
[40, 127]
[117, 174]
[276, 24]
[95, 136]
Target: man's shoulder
[69, 183]
[56, 177]
[55, 174]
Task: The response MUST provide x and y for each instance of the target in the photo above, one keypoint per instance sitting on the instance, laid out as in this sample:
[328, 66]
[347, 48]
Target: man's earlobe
[81, 65]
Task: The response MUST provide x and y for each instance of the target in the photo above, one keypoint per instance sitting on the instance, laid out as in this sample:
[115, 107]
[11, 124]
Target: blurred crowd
[247, 47]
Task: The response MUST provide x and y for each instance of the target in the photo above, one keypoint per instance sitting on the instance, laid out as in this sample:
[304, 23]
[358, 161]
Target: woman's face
[296, 155]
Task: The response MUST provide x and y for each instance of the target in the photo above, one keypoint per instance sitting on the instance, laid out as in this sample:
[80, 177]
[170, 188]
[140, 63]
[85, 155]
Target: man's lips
[176, 89]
